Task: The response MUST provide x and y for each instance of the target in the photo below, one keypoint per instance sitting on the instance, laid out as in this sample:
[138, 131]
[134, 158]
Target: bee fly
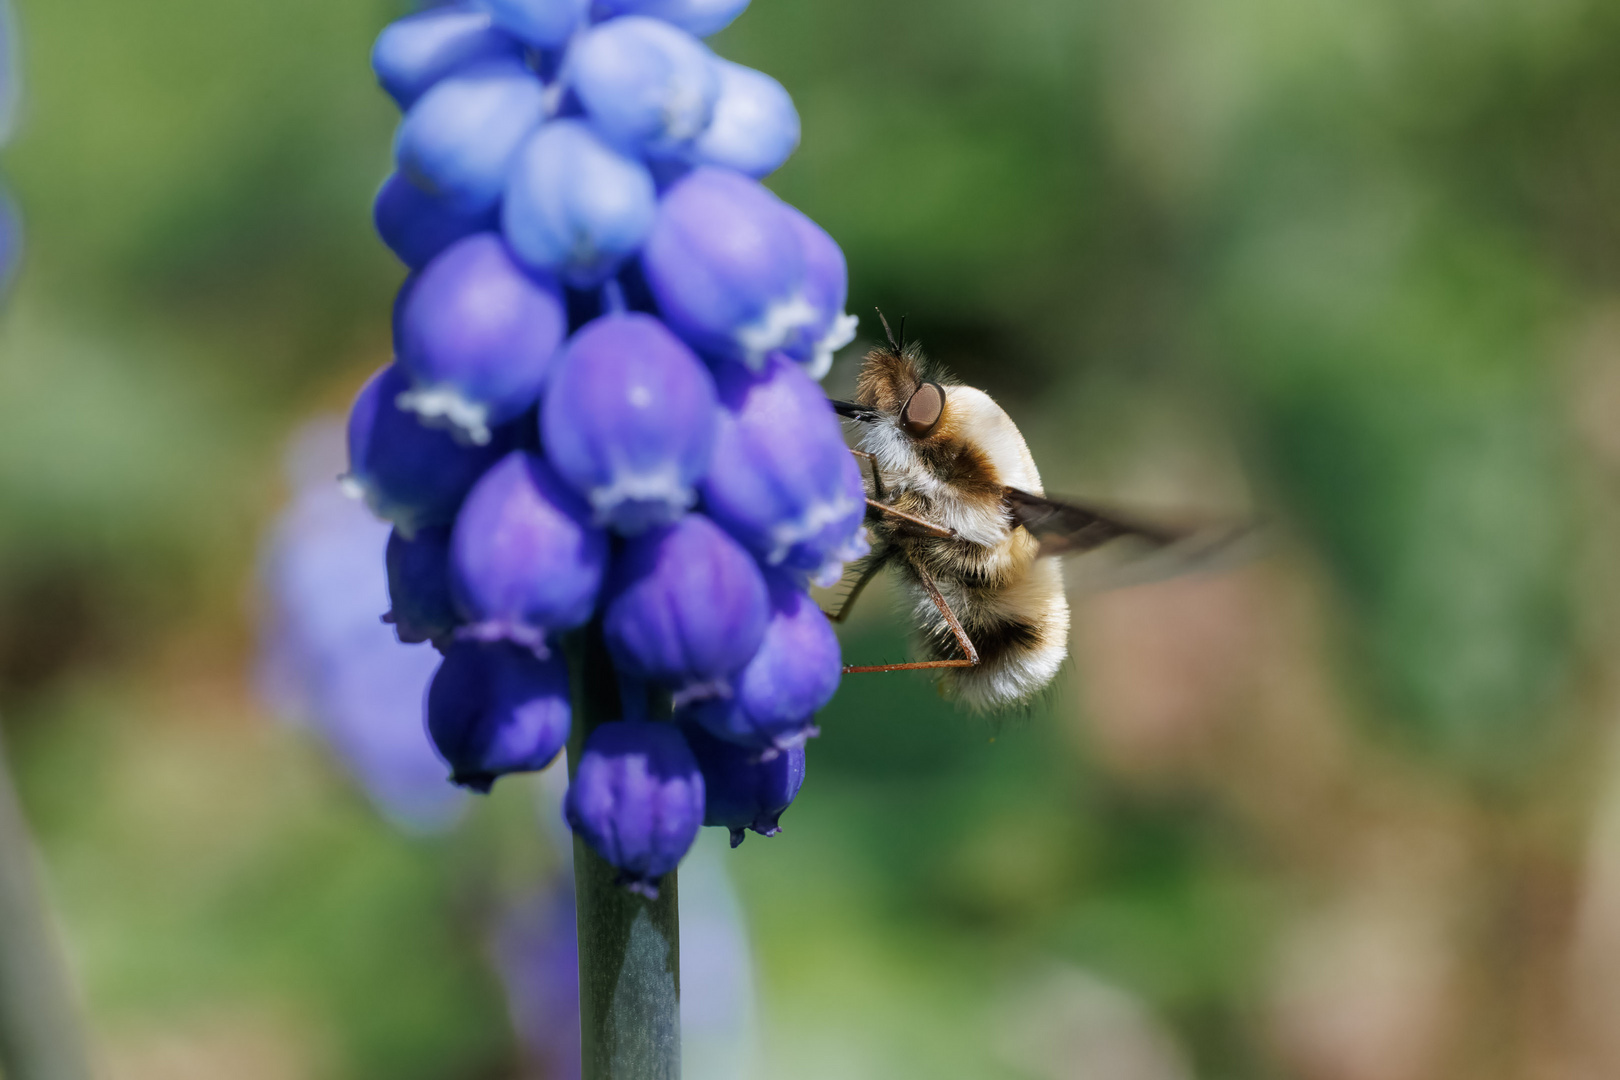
[955, 505]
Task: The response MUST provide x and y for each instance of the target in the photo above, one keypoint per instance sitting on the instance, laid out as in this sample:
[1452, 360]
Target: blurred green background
[1350, 811]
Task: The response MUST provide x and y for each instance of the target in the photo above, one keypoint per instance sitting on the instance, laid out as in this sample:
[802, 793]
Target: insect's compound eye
[923, 409]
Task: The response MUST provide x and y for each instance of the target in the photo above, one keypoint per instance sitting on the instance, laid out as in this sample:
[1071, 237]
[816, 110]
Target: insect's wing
[1065, 527]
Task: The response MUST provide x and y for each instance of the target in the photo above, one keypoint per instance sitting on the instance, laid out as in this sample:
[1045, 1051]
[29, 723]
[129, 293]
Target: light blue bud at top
[477, 334]
[686, 606]
[826, 287]
[458, 140]
[496, 708]
[726, 267]
[545, 24]
[417, 51]
[755, 126]
[743, 790]
[628, 420]
[782, 480]
[774, 699]
[637, 799]
[700, 17]
[417, 226]
[410, 474]
[420, 605]
[525, 560]
[646, 86]
[576, 206]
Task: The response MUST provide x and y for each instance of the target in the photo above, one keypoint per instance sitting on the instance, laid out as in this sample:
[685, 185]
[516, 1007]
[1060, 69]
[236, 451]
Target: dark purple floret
[782, 479]
[495, 708]
[686, 606]
[419, 587]
[525, 561]
[742, 788]
[410, 474]
[637, 799]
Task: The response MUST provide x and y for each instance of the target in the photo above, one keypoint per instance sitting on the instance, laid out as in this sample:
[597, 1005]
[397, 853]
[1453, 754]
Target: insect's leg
[877, 480]
[970, 654]
[922, 525]
[868, 572]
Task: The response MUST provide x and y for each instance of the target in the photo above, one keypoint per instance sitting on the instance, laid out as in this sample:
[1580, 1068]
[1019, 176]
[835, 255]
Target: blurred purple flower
[327, 659]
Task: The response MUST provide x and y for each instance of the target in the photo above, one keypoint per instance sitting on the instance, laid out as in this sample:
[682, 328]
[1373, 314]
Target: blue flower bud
[637, 799]
[773, 700]
[755, 126]
[781, 479]
[826, 287]
[417, 51]
[421, 608]
[628, 420]
[495, 708]
[686, 606]
[726, 267]
[412, 475]
[459, 138]
[545, 24]
[700, 17]
[417, 226]
[743, 790]
[524, 559]
[646, 85]
[477, 333]
[575, 205]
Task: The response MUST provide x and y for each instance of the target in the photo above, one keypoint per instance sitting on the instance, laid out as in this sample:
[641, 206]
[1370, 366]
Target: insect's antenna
[902, 349]
[897, 346]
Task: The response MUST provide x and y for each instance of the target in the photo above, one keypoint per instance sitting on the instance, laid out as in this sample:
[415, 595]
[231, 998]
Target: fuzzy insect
[955, 505]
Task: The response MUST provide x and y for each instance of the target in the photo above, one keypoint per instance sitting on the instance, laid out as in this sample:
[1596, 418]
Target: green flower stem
[40, 1033]
[629, 946]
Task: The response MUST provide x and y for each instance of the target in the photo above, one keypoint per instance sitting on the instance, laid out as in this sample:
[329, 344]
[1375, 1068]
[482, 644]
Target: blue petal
[417, 51]
[755, 126]
[646, 85]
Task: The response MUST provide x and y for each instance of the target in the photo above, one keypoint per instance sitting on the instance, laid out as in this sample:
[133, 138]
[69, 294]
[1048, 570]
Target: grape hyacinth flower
[742, 789]
[629, 421]
[495, 708]
[575, 206]
[782, 480]
[754, 128]
[409, 474]
[637, 799]
[476, 335]
[417, 226]
[649, 87]
[525, 560]
[420, 605]
[685, 607]
[461, 135]
[602, 428]
[770, 703]
[419, 50]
